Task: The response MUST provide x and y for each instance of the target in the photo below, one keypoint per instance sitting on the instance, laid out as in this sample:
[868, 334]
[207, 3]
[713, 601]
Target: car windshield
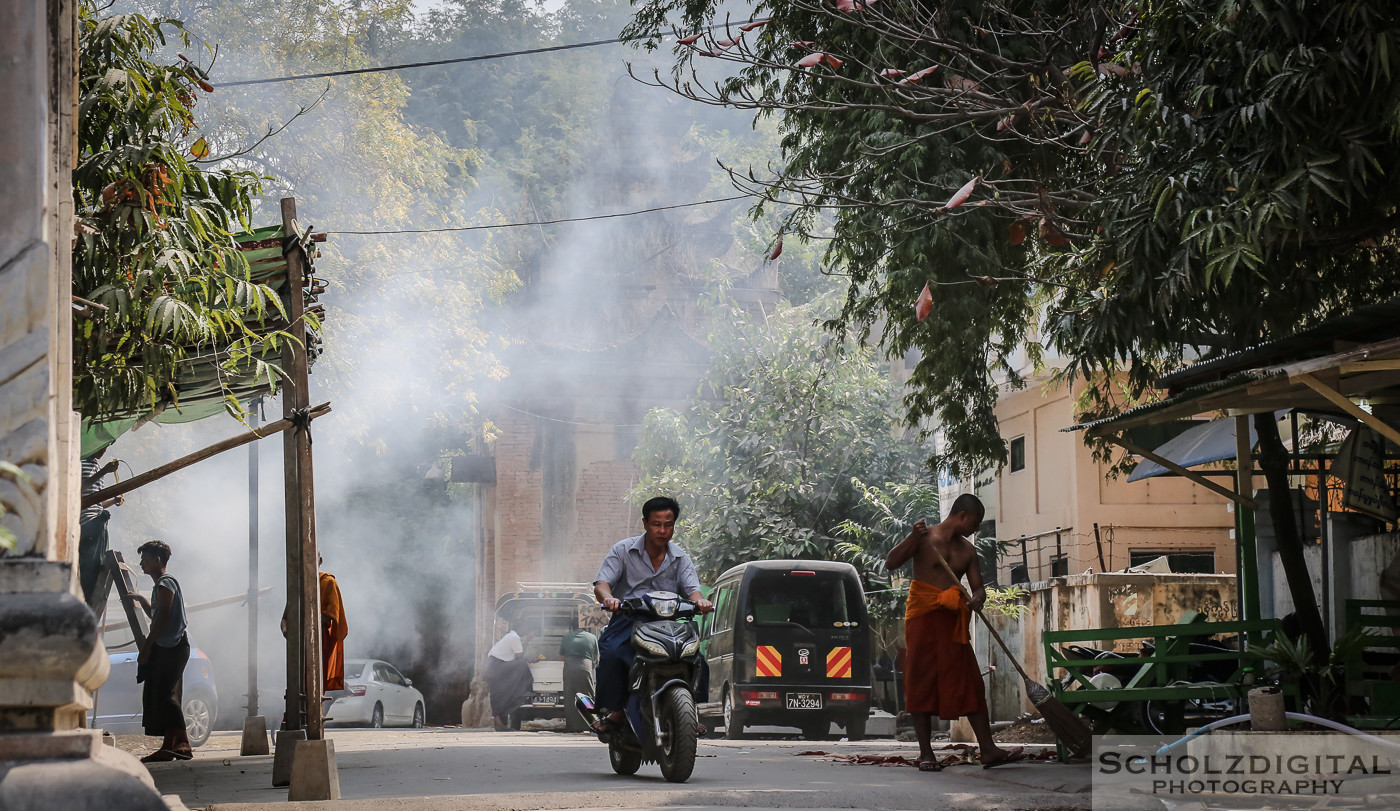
[812, 600]
[354, 669]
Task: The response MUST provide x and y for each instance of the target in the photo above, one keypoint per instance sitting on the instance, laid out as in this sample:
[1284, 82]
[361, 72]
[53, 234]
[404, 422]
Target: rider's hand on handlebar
[704, 606]
[612, 604]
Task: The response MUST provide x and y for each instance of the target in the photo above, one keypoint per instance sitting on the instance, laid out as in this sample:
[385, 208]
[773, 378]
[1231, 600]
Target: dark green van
[789, 645]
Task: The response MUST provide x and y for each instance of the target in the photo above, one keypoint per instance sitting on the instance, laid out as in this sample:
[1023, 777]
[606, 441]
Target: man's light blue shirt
[627, 570]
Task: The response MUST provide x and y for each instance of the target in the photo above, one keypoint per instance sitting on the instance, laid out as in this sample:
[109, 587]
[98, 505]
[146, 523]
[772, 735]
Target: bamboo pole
[156, 473]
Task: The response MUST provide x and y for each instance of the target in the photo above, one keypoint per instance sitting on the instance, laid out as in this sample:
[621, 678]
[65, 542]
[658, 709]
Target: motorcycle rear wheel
[624, 761]
[679, 734]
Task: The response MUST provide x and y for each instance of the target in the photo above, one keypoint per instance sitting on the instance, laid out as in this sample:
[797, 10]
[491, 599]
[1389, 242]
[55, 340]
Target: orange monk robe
[333, 631]
[941, 675]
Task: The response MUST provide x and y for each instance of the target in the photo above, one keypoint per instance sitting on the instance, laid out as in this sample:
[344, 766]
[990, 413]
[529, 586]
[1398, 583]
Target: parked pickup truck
[551, 610]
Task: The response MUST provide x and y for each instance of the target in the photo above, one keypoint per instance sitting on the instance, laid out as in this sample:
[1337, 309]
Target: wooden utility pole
[254, 412]
[304, 679]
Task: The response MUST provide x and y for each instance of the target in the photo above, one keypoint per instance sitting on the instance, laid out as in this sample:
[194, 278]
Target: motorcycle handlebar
[636, 605]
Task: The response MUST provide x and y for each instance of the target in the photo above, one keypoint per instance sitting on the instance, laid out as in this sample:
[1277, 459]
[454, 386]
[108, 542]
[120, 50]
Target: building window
[1180, 562]
[1018, 454]
[1059, 567]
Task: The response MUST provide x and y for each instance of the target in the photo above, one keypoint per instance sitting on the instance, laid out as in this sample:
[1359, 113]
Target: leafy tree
[156, 230]
[1148, 180]
[776, 450]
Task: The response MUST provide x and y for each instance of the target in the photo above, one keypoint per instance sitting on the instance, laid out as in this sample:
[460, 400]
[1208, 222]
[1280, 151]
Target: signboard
[1361, 464]
[593, 618]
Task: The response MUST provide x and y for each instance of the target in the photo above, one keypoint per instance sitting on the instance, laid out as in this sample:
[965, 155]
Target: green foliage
[792, 449]
[1321, 678]
[1009, 601]
[405, 341]
[1251, 184]
[1151, 176]
[10, 471]
[155, 244]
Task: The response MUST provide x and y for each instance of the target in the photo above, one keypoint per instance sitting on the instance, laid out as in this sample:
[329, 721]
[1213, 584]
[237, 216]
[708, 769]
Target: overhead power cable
[455, 61]
[543, 222]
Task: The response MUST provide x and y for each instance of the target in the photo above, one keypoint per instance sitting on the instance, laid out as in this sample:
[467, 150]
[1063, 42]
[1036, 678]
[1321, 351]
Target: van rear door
[808, 627]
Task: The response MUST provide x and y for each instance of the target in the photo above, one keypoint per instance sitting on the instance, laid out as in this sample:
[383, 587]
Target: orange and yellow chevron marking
[770, 662]
[838, 663]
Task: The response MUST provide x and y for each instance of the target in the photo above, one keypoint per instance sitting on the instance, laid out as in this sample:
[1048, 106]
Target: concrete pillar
[283, 754]
[314, 774]
[51, 656]
[254, 736]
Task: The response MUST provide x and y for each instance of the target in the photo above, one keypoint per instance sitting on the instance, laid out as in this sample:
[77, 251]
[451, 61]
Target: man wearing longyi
[941, 674]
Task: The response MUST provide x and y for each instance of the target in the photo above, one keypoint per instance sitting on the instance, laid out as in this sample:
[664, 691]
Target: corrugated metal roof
[1368, 324]
[1191, 393]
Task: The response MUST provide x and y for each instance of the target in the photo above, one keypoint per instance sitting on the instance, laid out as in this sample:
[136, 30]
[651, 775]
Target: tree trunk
[1273, 460]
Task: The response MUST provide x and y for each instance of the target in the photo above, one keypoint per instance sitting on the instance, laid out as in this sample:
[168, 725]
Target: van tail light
[803, 574]
[848, 696]
[357, 689]
[759, 695]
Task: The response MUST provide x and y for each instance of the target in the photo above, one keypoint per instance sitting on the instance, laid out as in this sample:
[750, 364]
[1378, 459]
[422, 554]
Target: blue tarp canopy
[1201, 444]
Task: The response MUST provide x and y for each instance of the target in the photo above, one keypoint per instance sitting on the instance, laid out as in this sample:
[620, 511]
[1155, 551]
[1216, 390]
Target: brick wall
[518, 493]
[605, 515]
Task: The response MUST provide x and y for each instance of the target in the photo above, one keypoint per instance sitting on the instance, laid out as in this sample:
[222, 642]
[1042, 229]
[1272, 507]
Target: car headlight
[648, 646]
[690, 648]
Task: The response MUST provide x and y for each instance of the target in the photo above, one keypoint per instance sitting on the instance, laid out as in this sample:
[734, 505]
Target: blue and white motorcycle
[662, 724]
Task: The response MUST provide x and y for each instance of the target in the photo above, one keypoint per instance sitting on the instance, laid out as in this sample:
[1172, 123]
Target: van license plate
[804, 701]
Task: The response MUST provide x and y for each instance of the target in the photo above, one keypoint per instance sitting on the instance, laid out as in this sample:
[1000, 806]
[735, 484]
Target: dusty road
[451, 769]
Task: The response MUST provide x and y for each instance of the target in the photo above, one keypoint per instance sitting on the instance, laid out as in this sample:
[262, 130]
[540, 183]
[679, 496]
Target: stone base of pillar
[51, 659]
[314, 774]
[254, 736]
[74, 771]
[283, 754]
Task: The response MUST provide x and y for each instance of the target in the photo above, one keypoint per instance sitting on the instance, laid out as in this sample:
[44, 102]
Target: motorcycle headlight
[648, 646]
[664, 609]
[690, 648]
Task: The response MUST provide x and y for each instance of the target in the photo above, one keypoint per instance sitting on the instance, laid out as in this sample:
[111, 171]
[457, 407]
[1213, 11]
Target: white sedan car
[377, 695]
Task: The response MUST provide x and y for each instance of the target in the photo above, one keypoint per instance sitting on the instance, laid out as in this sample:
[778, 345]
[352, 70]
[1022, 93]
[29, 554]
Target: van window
[724, 609]
[815, 600]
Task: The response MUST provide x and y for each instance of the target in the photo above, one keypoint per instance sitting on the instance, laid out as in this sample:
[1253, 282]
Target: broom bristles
[1067, 726]
[1061, 719]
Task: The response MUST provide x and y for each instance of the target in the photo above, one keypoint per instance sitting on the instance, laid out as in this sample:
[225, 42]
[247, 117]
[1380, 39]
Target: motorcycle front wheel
[679, 734]
[624, 761]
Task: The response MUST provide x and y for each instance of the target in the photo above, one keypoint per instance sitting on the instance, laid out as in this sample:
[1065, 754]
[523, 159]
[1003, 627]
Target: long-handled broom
[1062, 720]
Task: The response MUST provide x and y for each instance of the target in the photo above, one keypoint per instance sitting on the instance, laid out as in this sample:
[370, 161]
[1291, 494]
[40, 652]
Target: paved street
[448, 769]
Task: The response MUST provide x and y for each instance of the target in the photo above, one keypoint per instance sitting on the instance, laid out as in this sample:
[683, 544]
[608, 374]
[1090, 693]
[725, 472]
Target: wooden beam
[121, 488]
[1387, 365]
[1352, 354]
[1239, 498]
[1345, 404]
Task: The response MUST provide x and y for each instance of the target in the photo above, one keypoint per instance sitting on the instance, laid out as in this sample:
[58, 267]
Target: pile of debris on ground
[1026, 729]
[952, 754]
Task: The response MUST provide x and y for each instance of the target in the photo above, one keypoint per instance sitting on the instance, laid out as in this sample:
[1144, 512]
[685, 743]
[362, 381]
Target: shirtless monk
[941, 673]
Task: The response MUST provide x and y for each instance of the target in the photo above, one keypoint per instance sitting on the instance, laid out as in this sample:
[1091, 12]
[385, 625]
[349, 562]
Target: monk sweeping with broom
[941, 672]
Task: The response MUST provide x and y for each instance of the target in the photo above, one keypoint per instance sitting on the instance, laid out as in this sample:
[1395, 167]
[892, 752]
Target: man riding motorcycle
[633, 567]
